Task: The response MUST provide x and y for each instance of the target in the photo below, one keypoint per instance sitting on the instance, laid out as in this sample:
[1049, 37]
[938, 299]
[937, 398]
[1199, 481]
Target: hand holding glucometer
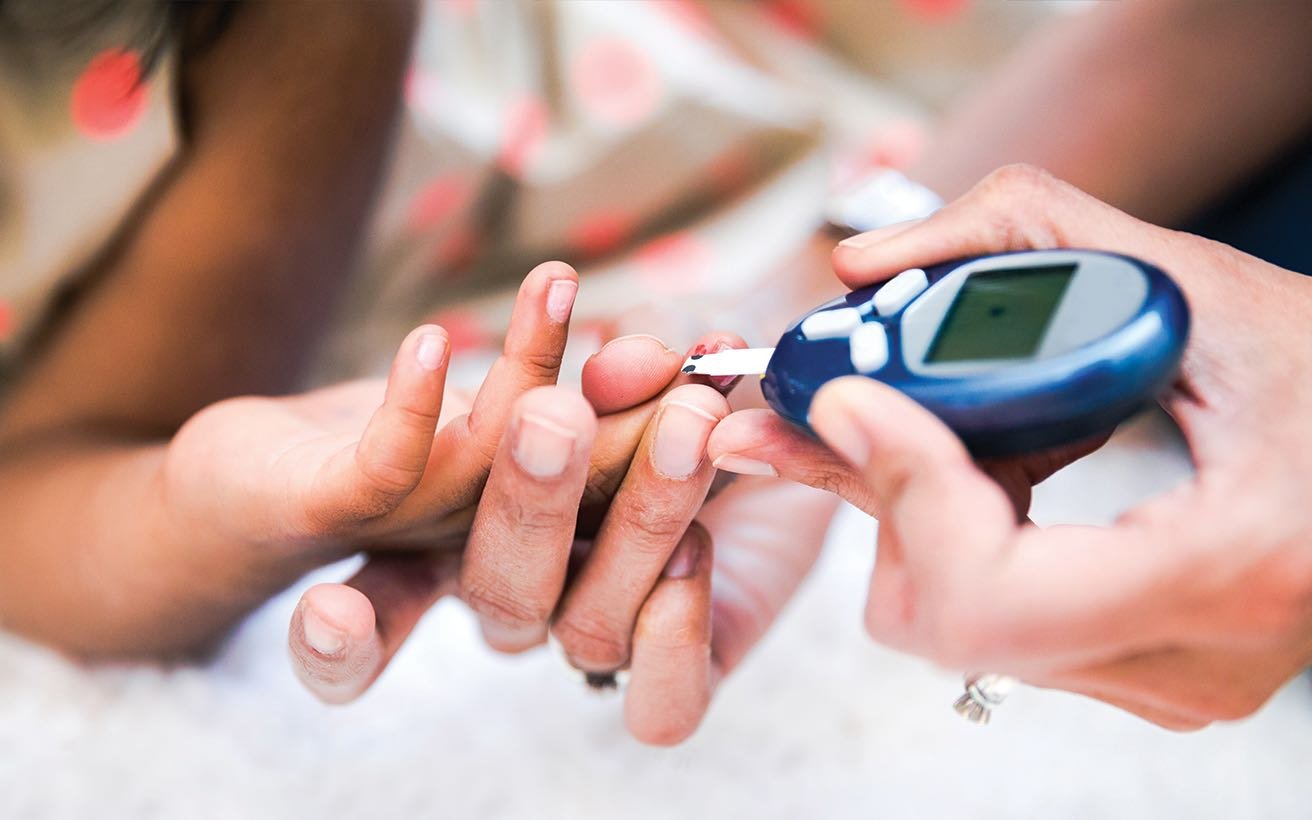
[1015, 352]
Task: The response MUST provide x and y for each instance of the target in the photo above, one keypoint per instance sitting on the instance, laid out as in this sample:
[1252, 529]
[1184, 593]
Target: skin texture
[1193, 607]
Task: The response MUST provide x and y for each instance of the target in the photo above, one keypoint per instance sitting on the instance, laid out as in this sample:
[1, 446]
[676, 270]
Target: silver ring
[984, 693]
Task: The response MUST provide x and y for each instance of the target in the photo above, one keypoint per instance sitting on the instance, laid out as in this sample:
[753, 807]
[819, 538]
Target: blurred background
[680, 154]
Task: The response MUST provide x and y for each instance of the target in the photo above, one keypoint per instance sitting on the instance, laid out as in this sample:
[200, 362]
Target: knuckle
[589, 640]
[653, 527]
[539, 365]
[1018, 179]
[535, 524]
[385, 479]
[499, 603]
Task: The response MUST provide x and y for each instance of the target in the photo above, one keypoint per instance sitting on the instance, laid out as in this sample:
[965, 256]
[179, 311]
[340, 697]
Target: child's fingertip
[431, 349]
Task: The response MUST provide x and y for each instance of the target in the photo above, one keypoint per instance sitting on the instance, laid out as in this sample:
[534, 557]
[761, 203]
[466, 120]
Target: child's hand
[284, 484]
[642, 599]
[627, 484]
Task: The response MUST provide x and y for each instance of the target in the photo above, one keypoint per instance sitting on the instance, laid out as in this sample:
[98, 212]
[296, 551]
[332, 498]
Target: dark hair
[36, 34]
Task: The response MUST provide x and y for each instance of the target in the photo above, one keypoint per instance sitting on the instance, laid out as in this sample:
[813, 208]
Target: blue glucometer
[1015, 352]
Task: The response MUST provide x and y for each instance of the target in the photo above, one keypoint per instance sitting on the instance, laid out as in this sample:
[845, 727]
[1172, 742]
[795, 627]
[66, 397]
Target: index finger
[1017, 207]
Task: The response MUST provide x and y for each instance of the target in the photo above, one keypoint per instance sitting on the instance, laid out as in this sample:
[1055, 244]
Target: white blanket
[818, 723]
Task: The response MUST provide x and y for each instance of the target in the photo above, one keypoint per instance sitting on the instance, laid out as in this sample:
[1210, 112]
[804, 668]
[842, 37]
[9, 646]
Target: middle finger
[662, 491]
[518, 548]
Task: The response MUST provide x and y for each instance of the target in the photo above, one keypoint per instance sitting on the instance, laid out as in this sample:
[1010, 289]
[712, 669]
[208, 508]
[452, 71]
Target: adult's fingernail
[431, 350]
[643, 339]
[835, 415]
[743, 465]
[542, 447]
[560, 299]
[322, 637]
[508, 638]
[683, 563]
[681, 434]
[872, 238]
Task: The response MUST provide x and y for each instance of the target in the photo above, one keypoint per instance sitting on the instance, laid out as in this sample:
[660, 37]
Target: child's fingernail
[742, 465]
[681, 434]
[560, 299]
[320, 635]
[836, 419]
[431, 350]
[683, 563]
[542, 447]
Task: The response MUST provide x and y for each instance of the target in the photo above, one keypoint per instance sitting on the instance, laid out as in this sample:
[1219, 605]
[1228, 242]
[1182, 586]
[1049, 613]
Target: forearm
[1155, 107]
[230, 270]
[93, 562]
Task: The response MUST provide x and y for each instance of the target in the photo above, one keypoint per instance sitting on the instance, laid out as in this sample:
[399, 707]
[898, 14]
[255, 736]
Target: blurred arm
[1155, 107]
[217, 289]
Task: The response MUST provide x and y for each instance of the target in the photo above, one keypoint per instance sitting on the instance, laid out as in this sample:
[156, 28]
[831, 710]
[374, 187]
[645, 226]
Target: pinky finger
[342, 636]
[670, 677]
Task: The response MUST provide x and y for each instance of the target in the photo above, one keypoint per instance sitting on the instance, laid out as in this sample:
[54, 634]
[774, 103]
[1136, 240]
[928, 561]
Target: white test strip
[751, 361]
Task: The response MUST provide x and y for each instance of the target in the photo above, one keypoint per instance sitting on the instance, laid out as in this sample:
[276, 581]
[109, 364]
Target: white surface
[817, 724]
[869, 347]
[831, 324]
[899, 290]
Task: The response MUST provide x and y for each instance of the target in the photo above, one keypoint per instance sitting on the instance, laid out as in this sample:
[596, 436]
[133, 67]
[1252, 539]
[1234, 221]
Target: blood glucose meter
[1015, 352]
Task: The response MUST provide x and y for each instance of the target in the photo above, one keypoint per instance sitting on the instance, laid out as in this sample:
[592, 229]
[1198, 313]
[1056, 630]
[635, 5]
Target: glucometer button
[899, 290]
[831, 324]
[869, 344]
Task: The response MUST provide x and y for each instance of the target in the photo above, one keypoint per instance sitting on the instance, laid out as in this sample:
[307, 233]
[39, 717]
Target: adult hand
[1193, 607]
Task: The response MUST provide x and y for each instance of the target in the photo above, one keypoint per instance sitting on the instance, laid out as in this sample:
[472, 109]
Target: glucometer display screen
[1000, 314]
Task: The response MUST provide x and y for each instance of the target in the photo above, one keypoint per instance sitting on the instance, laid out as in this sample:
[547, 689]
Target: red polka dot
[525, 132]
[600, 233]
[109, 97]
[936, 11]
[615, 81]
[800, 18]
[437, 200]
[678, 263]
[689, 14]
